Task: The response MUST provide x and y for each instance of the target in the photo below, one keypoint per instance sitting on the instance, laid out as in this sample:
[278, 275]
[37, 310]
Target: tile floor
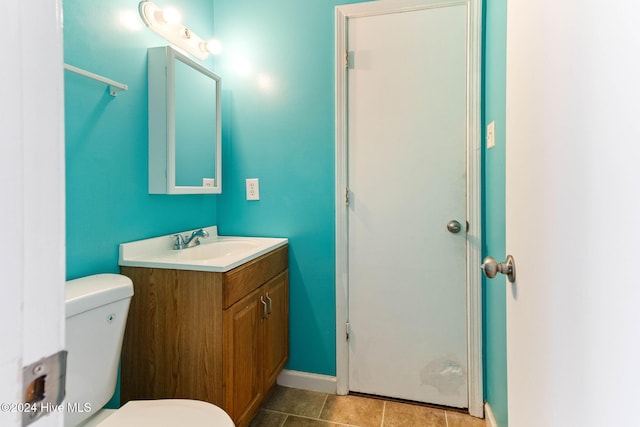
[289, 407]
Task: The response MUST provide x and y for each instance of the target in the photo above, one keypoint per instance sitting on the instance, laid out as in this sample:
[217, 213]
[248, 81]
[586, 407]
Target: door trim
[474, 236]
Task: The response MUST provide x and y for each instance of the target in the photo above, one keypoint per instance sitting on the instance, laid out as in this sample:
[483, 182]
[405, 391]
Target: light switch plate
[491, 134]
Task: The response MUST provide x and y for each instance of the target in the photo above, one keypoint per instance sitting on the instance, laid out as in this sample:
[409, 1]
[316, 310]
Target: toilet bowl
[96, 315]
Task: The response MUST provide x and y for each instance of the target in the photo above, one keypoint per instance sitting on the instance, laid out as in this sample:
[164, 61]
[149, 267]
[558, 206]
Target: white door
[31, 200]
[407, 116]
[573, 212]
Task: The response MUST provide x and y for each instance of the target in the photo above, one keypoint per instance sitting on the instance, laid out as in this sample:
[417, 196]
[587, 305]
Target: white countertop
[215, 253]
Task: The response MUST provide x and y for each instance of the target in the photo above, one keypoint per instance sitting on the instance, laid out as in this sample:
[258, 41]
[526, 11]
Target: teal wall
[277, 126]
[284, 135]
[107, 200]
[106, 137]
[495, 352]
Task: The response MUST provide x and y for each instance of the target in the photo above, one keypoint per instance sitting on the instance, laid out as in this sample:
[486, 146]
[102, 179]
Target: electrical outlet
[253, 189]
[491, 134]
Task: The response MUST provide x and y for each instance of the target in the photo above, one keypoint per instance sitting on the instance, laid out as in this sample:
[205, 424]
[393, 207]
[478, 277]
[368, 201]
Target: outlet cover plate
[253, 189]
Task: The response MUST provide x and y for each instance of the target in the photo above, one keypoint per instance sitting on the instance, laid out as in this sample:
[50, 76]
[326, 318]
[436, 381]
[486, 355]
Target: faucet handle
[179, 240]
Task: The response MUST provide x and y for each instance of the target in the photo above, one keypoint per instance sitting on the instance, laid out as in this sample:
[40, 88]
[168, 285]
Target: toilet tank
[96, 314]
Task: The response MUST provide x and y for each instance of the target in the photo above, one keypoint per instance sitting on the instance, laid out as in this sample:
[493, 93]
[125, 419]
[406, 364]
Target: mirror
[184, 125]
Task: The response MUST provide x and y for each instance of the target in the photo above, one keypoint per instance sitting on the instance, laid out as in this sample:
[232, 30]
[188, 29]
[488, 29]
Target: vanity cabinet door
[243, 334]
[276, 328]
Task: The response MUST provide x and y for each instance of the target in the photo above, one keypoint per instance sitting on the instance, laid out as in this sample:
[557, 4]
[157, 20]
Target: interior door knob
[491, 268]
[454, 226]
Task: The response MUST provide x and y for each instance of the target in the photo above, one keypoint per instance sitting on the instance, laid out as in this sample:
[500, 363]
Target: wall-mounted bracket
[114, 87]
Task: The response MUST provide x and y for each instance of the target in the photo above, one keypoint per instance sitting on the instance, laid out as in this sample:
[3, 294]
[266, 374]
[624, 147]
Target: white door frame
[474, 236]
[32, 193]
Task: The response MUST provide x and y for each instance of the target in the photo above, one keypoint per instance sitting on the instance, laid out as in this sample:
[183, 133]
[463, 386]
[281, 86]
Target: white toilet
[96, 311]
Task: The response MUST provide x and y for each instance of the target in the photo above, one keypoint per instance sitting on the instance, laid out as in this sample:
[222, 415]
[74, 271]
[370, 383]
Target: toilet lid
[168, 413]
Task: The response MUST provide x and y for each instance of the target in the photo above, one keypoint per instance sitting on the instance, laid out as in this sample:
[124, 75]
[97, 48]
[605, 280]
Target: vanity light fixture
[167, 23]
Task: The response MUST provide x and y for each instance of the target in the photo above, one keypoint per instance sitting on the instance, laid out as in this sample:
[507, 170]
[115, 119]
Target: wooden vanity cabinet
[256, 340]
[276, 329]
[218, 337]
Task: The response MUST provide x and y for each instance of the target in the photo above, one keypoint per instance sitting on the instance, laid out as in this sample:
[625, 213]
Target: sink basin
[215, 253]
[218, 248]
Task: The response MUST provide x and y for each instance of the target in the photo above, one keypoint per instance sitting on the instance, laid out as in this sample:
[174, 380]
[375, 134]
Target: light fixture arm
[174, 32]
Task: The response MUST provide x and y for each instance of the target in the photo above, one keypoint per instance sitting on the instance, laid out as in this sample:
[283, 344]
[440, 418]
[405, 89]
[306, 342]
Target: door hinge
[349, 61]
[348, 330]
[346, 196]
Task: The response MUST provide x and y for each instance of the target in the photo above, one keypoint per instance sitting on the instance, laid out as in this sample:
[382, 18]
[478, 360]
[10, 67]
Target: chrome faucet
[184, 242]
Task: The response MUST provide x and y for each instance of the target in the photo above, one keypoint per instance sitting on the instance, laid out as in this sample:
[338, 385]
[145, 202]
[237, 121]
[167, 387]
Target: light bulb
[213, 46]
[129, 20]
[171, 15]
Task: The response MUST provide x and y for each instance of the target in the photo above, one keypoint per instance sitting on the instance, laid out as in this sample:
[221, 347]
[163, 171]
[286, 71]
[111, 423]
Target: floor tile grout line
[319, 417]
[326, 397]
[310, 418]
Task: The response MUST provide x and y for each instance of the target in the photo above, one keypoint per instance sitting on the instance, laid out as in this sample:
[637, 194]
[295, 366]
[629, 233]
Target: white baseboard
[489, 419]
[307, 381]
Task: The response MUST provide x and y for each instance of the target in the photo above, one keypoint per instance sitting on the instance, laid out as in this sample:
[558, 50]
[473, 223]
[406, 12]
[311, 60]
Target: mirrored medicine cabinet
[184, 125]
